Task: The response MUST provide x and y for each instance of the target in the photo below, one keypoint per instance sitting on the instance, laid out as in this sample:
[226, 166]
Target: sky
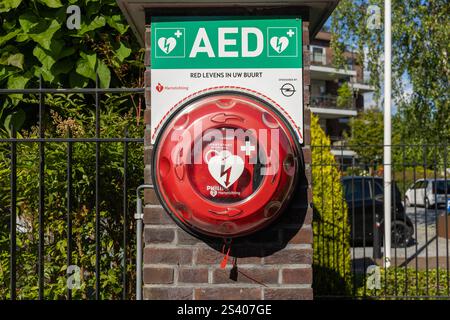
[407, 91]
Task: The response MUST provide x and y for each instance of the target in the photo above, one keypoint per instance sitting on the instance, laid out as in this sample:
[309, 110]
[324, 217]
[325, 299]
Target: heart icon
[279, 44]
[159, 87]
[167, 44]
[225, 168]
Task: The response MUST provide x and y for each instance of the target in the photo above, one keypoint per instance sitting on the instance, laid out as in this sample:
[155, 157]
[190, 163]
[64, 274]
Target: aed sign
[260, 55]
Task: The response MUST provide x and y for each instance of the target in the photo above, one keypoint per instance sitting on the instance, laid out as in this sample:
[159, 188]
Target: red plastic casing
[225, 164]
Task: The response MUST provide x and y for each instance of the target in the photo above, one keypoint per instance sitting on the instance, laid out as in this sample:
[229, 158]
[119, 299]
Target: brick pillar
[275, 263]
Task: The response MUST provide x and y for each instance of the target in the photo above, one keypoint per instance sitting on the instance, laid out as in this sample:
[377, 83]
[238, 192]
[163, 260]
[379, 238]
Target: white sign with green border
[262, 55]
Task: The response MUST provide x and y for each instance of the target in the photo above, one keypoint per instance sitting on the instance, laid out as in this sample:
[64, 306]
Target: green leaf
[17, 82]
[86, 65]
[47, 62]
[44, 58]
[123, 52]
[98, 22]
[16, 60]
[93, 260]
[8, 36]
[22, 37]
[28, 21]
[63, 66]
[104, 74]
[77, 81]
[92, 7]
[9, 25]
[5, 73]
[45, 38]
[91, 59]
[56, 48]
[51, 3]
[7, 5]
[15, 119]
[66, 51]
[117, 23]
[10, 56]
[47, 75]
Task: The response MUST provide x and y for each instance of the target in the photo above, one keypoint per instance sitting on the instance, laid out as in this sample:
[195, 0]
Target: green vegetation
[366, 139]
[115, 120]
[420, 57]
[35, 41]
[366, 136]
[345, 96]
[331, 261]
[408, 283]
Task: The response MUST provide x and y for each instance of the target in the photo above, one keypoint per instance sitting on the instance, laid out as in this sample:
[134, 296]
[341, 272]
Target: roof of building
[134, 10]
[323, 35]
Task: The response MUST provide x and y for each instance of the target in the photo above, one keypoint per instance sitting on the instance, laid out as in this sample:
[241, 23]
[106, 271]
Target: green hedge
[407, 283]
[331, 261]
[114, 120]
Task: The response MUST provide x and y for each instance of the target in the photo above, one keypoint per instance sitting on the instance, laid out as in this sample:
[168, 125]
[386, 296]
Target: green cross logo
[170, 43]
[282, 42]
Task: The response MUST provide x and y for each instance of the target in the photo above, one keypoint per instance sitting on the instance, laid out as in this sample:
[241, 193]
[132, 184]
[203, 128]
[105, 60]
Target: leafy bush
[406, 176]
[35, 41]
[366, 137]
[115, 120]
[345, 96]
[331, 261]
[398, 282]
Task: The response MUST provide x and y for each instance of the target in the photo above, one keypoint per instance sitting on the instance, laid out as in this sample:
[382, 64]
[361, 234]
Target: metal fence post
[139, 216]
[376, 237]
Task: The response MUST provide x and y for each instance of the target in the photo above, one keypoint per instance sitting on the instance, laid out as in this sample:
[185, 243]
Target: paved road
[425, 225]
[427, 249]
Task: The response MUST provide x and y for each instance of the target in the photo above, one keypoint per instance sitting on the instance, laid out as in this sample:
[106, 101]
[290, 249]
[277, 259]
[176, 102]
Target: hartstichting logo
[159, 87]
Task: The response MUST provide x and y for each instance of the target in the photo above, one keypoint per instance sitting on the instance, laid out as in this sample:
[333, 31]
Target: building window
[350, 63]
[322, 89]
[318, 54]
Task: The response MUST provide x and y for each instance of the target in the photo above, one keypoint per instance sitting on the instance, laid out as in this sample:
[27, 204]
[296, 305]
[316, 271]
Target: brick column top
[275, 263]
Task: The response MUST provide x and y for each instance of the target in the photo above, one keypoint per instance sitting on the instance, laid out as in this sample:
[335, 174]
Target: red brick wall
[272, 264]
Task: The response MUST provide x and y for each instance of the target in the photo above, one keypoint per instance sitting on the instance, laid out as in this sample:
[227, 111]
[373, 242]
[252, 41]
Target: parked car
[365, 202]
[428, 193]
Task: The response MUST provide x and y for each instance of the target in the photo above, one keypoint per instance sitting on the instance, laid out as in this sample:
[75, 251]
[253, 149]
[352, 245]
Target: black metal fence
[65, 204]
[348, 192]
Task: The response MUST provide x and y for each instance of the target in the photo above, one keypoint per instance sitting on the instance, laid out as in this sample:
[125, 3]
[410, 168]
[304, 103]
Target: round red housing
[225, 164]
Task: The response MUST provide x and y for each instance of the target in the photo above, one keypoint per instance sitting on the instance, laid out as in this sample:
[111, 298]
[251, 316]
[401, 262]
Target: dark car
[364, 197]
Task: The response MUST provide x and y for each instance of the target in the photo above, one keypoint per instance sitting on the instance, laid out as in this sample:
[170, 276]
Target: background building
[334, 114]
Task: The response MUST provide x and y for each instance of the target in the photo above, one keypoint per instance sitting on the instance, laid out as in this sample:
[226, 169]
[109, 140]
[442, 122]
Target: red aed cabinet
[225, 163]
